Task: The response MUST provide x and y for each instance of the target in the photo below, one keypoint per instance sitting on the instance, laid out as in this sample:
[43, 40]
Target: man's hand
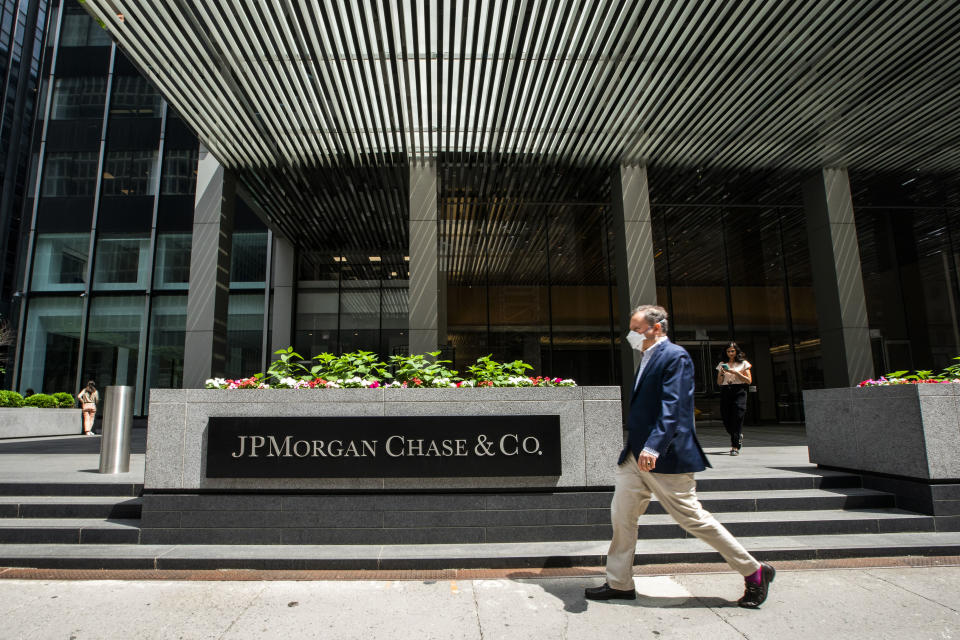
[646, 462]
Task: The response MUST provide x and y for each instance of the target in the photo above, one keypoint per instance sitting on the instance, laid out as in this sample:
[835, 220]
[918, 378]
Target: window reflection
[51, 344]
[244, 334]
[134, 96]
[248, 259]
[130, 173]
[70, 174]
[81, 30]
[179, 175]
[173, 261]
[113, 340]
[60, 262]
[168, 321]
[123, 261]
[80, 97]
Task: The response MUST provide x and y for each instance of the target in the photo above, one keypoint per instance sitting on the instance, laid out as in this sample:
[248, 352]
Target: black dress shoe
[756, 594]
[606, 592]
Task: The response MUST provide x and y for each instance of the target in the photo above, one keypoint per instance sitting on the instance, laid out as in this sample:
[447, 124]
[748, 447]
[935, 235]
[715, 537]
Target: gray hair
[652, 314]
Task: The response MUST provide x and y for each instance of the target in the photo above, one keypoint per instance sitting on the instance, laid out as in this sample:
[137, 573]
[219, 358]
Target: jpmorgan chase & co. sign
[383, 446]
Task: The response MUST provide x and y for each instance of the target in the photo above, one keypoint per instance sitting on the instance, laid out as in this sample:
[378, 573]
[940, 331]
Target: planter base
[934, 498]
[374, 519]
[30, 422]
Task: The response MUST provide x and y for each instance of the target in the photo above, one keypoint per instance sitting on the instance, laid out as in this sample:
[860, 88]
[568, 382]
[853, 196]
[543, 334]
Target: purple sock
[755, 577]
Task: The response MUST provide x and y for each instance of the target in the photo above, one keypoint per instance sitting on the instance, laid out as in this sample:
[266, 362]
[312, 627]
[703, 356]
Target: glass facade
[731, 268]
[909, 245]
[105, 297]
[526, 261]
[23, 26]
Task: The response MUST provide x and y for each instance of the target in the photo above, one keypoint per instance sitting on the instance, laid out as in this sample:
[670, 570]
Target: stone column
[205, 343]
[284, 293]
[633, 233]
[424, 284]
[837, 279]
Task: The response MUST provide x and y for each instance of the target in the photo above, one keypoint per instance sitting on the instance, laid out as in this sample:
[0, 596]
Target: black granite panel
[946, 508]
[556, 533]
[210, 536]
[384, 502]
[160, 520]
[330, 519]
[211, 502]
[39, 535]
[109, 536]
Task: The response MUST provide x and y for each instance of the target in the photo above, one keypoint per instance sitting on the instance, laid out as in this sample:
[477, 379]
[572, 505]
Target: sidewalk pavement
[869, 603]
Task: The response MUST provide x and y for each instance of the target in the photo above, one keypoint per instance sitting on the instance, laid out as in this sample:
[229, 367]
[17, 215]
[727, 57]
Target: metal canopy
[302, 85]
[788, 84]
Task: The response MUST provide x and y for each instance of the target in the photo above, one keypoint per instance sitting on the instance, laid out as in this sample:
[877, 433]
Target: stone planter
[29, 422]
[910, 431]
[589, 417]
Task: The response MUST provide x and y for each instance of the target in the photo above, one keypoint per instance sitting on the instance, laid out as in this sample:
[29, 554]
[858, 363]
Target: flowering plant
[363, 370]
[949, 375]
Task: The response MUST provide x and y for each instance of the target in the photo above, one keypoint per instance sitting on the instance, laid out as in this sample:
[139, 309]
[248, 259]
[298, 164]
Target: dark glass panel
[51, 344]
[244, 334]
[70, 174]
[134, 96]
[179, 175]
[130, 173]
[60, 262]
[113, 340]
[168, 321]
[78, 97]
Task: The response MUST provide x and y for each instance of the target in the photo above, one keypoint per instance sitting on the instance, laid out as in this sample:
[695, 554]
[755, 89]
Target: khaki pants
[677, 492]
[89, 412]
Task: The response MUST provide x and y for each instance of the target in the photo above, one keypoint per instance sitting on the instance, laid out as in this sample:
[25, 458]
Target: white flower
[215, 383]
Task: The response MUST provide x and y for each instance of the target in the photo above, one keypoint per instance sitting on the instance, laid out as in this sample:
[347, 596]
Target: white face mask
[635, 340]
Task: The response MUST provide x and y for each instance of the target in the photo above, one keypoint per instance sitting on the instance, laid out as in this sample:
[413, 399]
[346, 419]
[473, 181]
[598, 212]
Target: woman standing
[734, 377]
[89, 399]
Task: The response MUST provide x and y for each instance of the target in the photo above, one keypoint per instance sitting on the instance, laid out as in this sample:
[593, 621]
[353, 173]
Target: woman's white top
[731, 379]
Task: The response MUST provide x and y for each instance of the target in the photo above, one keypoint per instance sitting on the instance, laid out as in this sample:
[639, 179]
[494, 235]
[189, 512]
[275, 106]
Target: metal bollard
[117, 423]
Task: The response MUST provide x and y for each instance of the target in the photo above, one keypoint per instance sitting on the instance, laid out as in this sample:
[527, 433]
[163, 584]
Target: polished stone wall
[30, 422]
[910, 431]
[590, 427]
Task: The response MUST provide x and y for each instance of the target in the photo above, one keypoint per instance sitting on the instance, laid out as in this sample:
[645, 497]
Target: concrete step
[513, 555]
[104, 488]
[68, 531]
[70, 507]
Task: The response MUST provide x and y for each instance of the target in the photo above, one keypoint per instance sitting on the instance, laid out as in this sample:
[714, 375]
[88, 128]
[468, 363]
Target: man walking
[660, 458]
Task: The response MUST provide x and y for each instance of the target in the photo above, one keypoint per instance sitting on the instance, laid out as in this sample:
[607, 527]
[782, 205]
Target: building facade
[456, 190]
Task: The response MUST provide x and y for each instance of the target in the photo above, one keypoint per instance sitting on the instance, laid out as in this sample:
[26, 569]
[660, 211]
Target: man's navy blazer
[661, 413]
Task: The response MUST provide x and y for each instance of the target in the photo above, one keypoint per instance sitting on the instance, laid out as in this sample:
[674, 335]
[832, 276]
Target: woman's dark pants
[733, 406]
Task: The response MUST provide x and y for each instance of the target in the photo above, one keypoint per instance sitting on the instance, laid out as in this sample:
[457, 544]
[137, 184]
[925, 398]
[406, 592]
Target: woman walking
[733, 377]
[89, 399]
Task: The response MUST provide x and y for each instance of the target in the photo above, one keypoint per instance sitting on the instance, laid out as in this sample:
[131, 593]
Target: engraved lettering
[306, 448]
[243, 446]
[390, 449]
[531, 445]
[256, 442]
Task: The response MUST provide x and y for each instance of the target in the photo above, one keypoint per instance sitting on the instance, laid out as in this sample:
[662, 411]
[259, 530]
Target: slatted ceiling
[340, 96]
